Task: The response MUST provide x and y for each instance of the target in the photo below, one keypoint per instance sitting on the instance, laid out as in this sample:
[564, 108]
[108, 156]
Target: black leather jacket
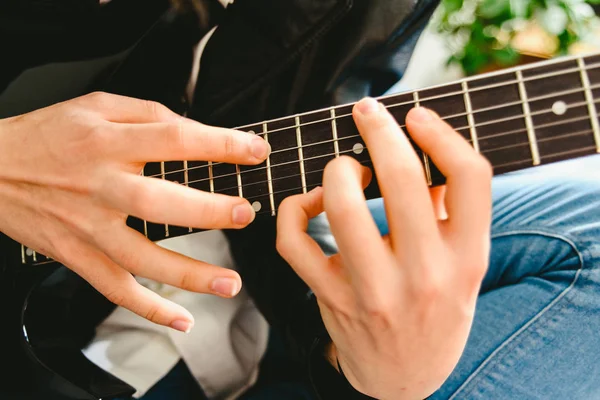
[267, 59]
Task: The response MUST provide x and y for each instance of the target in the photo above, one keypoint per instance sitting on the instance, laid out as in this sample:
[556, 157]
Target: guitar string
[479, 138]
[504, 105]
[443, 96]
[587, 67]
[365, 149]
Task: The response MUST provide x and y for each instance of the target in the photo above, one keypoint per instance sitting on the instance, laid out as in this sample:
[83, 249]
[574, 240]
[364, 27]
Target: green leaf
[553, 19]
[452, 5]
[519, 8]
[493, 8]
[505, 57]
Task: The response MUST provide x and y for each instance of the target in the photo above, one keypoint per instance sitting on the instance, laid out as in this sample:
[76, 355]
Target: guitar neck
[517, 118]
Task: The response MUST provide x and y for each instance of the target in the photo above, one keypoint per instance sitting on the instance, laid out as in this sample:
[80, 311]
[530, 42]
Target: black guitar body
[45, 310]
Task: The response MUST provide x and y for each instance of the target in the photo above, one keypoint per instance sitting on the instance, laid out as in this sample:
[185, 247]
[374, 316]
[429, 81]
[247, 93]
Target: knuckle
[156, 110]
[283, 244]
[339, 166]
[288, 205]
[230, 145]
[476, 167]
[428, 290]
[174, 136]
[209, 213]
[97, 97]
[116, 296]
[186, 280]
[377, 312]
[140, 203]
[152, 312]
[483, 168]
[409, 168]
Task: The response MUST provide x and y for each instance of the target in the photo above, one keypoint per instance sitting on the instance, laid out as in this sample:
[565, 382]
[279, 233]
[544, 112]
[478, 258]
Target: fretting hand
[70, 174]
[398, 308]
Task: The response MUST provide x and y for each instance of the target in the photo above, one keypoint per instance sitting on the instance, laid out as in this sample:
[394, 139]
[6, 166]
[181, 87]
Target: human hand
[70, 174]
[398, 308]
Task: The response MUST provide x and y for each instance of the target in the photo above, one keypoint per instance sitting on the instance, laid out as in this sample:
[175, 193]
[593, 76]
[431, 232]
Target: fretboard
[517, 118]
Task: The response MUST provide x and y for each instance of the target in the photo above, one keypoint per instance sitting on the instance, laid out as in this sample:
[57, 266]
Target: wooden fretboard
[517, 118]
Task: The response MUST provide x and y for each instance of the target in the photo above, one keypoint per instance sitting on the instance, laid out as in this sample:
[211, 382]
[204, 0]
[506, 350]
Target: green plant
[481, 33]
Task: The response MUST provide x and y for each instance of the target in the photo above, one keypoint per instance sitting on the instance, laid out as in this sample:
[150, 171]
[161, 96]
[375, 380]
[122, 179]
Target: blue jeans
[536, 333]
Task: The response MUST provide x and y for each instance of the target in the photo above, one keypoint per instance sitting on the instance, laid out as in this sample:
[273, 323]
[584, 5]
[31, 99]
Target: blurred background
[468, 37]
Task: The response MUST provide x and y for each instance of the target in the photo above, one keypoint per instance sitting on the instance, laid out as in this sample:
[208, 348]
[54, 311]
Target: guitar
[517, 118]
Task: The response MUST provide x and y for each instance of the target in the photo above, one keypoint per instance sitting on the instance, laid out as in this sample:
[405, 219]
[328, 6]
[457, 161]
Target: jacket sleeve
[36, 32]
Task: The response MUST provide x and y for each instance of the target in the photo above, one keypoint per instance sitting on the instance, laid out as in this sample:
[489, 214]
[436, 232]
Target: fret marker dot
[559, 108]
[29, 252]
[358, 148]
[256, 206]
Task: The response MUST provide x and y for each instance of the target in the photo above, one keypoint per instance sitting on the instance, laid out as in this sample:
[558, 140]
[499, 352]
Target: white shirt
[229, 336]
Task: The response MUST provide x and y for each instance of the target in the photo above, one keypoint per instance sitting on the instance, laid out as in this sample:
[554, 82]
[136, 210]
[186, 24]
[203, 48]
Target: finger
[138, 255]
[165, 202]
[185, 139]
[400, 175]
[468, 175]
[302, 253]
[352, 225]
[438, 195]
[119, 287]
[123, 109]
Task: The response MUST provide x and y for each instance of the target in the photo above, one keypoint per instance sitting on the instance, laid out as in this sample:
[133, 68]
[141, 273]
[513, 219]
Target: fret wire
[269, 177]
[145, 222]
[334, 132]
[23, 254]
[585, 79]
[442, 96]
[486, 137]
[239, 180]
[310, 186]
[34, 256]
[186, 180]
[535, 154]
[163, 177]
[470, 117]
[300, 154]
[425, 156]
[351, 151]
[445, 117]
[210, 177]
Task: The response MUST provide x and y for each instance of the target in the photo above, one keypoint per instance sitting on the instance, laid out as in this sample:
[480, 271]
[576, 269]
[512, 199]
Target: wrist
[325, 376]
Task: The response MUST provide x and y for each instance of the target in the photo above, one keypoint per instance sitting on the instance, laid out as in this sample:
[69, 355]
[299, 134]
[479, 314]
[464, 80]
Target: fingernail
[259, 148]
[242, 214]
[182, 326]
[421, 114]
[225, 286]
[368, 106]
